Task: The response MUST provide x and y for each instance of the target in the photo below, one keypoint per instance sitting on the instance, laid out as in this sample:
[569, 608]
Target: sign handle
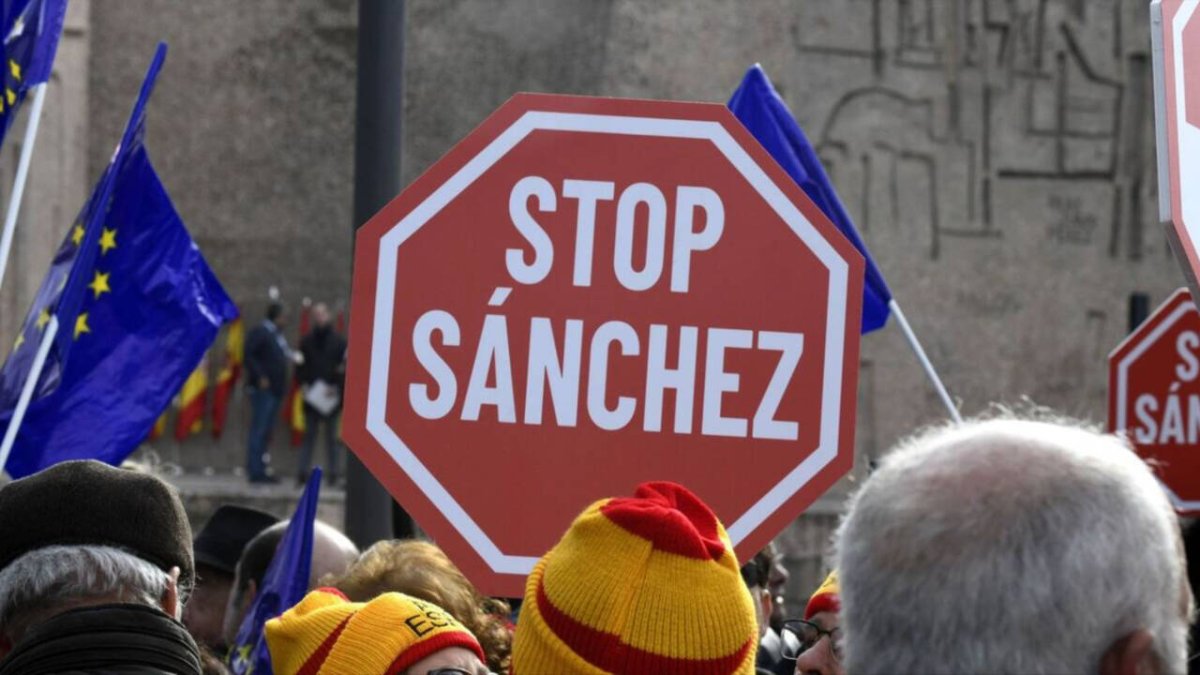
[920, 352]
[35, 373]
[18, 191]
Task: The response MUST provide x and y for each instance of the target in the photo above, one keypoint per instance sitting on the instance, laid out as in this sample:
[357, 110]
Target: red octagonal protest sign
[589, 293]
[1154, 397]
[1176, 39]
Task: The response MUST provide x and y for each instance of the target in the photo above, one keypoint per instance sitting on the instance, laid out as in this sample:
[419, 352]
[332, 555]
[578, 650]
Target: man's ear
[170, 598]
[1131, 655]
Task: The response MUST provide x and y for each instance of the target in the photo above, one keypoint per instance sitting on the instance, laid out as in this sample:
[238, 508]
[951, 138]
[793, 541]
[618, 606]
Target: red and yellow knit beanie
[646, 585]
[328, 634]
[826, 599]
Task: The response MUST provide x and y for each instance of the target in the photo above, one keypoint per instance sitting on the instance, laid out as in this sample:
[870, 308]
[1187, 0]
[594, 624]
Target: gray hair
[1009, 546]
[43, 582]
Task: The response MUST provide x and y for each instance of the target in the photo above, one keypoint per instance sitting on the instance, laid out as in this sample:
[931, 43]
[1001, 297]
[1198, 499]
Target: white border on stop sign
[1122, 395]
[831, 395]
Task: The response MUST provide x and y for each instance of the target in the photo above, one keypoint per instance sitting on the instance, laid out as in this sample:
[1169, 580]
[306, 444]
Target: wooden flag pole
[18, 191]
[920, 352]
[35, 373]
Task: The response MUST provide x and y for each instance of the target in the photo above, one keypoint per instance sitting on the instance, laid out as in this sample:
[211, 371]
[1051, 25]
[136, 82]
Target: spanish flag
[160, 428]
[193, 399]
[231, 370]
[293, 408]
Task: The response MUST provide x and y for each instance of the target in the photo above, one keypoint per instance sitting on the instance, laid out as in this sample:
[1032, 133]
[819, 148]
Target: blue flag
[31, 29]
[284, 585]
[759, 107]
[137, 306]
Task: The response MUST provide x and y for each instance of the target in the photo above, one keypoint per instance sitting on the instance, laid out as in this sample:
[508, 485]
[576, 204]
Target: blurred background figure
[217, 549]
[266, 363]
[332, 553]
[815, 642]
[965, 553]
[422, 570]
[322, 374]
[756, 574]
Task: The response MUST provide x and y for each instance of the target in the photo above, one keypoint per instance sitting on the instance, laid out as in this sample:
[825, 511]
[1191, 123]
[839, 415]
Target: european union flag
[759, 107]
[284, 585]
[31, 30]
[137, 306]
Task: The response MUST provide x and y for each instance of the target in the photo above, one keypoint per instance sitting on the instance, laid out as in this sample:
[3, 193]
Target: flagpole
[920, 352]
[35, 373]
[18, 191]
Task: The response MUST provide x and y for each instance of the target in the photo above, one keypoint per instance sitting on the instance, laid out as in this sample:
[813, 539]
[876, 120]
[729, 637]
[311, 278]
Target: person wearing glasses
[815, 642]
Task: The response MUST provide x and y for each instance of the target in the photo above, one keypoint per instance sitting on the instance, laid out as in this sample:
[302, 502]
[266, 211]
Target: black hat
[221, 540]
[90, 503]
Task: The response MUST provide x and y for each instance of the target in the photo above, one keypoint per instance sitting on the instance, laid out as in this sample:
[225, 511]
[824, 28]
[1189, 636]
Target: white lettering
[545, 368]
[659, 378]
[791, 347]
[492, 354]
[1147, 430]
[418, 393]
[717, 382]
[686, 241]
[588, 192]
[1172, 421]
[543, 248]
[608, 333]
[1185, 345]
[656, 235]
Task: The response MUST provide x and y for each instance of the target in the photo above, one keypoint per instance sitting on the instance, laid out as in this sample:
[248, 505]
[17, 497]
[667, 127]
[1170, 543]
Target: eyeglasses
[800, 636]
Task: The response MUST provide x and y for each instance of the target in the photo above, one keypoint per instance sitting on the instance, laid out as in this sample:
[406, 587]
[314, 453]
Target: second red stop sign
[589, 293]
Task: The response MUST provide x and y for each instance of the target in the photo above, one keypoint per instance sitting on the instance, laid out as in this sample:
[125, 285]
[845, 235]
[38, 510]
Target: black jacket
[324, 355]
[265, 358]
[109, 639]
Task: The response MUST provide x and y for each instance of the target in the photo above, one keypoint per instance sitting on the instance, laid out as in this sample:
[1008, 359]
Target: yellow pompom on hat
[643, 585]
[326, 634]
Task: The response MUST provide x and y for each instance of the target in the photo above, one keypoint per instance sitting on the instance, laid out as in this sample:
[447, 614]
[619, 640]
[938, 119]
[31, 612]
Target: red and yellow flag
[231, 370]
[160, 428]
[293, 408]
[193, 399]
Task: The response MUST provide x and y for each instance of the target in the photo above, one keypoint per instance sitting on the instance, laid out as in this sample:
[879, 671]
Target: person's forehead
[826, 620]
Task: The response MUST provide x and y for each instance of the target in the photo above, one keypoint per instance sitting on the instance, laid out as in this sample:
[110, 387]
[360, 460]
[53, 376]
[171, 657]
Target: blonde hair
[422, 570]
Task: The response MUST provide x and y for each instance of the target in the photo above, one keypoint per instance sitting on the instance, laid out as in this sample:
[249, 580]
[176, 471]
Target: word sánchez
[557, 370]
[1173, 417]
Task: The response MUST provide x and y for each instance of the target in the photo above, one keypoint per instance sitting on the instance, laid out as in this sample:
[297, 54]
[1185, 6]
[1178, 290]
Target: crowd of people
[993, 546]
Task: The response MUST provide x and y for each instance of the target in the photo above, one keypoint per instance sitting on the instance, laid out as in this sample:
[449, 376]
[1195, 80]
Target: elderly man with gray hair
[1012, 546]
[95, 566]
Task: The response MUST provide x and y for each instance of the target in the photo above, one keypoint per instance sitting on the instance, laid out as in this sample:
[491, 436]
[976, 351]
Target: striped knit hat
[328, 634]
[827, 598]
[646, 585]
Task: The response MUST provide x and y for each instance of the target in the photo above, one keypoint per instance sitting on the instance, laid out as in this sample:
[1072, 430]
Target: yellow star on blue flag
[110, 372]
[32, 29]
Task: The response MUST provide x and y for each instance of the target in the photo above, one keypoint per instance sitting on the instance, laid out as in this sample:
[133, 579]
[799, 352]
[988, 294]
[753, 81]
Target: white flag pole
[35, 373]
[916, 347]
[14, 201]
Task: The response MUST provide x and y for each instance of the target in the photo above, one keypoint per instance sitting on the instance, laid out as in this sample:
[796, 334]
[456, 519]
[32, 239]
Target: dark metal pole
[377, 136]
